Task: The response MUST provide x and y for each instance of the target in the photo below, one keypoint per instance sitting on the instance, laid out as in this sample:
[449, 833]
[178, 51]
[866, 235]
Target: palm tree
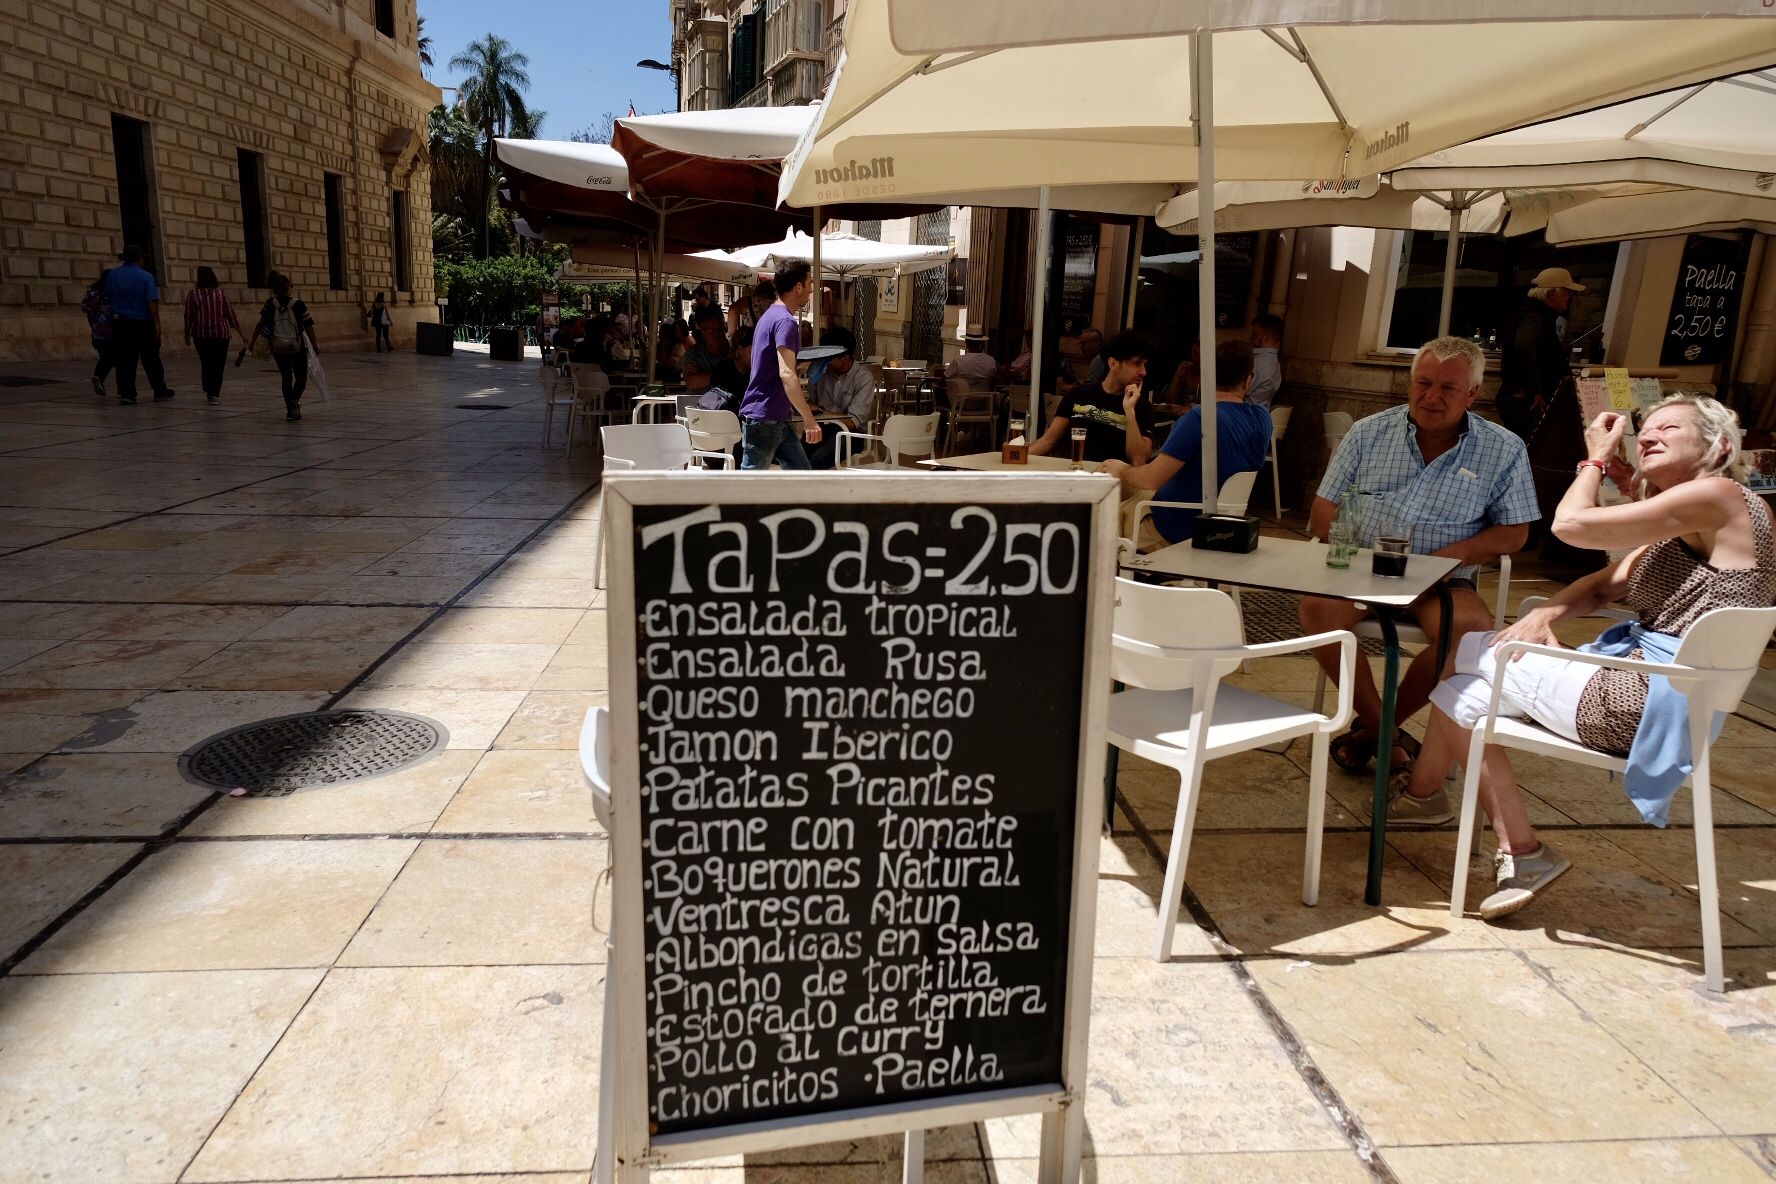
[459, 178]
[492, 98]
[425, 46]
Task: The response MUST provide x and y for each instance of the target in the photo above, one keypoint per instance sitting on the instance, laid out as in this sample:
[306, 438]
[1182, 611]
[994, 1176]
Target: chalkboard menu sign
[859, 752]
[1079, 274]
[1705, 304]
[1234, 256]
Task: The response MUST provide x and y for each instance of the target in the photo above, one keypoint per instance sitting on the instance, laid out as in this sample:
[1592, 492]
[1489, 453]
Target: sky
[582, 55]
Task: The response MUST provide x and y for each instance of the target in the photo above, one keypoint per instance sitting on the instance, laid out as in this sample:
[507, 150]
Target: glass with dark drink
[1393, 544]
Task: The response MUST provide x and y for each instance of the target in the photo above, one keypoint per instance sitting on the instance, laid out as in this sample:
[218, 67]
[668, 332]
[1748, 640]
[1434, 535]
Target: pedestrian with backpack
[98, 320]
[210, 326]
[284, 321]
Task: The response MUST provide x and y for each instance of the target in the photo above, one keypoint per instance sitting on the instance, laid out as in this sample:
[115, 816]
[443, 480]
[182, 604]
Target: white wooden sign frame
[627, 1154]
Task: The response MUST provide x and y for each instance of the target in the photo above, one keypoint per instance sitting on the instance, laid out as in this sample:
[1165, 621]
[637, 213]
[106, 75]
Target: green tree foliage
[509, 290]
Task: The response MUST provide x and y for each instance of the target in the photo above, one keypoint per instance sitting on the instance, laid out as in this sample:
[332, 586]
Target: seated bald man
[1462, 483]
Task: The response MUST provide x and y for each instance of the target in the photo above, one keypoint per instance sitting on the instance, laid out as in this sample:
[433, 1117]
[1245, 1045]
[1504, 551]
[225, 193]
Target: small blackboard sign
[1079, 274]
[860, 741]
[1705, 303]
[1234, 256]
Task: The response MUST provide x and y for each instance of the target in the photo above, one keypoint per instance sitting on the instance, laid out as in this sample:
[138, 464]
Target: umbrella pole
[819, 279]
[1449, 261]
[635, 292]
[1128, 306]
[1202, 75]
[659, 305]
[1038, 303]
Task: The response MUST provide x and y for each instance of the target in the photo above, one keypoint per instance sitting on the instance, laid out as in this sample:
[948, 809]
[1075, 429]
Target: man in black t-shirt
[1115, 414]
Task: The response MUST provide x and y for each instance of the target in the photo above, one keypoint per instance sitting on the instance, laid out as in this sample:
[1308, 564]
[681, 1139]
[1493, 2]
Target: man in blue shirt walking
[135, 326]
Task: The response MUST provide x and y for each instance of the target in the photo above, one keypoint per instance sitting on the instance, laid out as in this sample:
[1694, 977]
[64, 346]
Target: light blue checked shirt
[1483, 481]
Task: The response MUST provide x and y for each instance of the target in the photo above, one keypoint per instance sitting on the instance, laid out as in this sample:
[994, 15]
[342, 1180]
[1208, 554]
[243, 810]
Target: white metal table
[994, 462]
[1291, 565]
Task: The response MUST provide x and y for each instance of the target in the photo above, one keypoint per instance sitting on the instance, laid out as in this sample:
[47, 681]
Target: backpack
[286, 328]
[716, 399]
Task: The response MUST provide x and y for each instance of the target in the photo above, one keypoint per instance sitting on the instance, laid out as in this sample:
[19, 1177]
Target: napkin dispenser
[1226, 532]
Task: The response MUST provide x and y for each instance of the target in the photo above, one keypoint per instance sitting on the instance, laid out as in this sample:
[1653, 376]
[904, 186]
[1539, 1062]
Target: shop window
[1492, 276]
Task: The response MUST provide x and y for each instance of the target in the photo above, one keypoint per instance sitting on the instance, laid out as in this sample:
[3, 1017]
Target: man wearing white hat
[1532, 358]
[975, 364]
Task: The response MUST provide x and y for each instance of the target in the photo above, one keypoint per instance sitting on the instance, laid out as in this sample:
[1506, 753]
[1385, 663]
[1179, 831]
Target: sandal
[1353, 751]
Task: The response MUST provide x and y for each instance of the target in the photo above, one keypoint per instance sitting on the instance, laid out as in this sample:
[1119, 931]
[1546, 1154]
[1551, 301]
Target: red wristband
[1600, 466]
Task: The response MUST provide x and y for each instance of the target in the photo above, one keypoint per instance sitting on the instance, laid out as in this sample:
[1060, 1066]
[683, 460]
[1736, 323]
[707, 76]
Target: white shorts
[1536, 687]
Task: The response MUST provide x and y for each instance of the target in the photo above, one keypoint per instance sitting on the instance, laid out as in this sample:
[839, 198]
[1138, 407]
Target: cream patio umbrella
[1609, 218]
[847, 256]
[934, 95]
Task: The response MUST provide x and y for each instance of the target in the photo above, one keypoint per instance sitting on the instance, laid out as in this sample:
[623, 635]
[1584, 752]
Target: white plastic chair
[1236, 494]
[591, 387]
[1172, 647]
[595, 763]
[1279, 423]
[646, 448]
[902, 435]
[713, 431]
[595, 760]
[1714, 666]
[558, 392]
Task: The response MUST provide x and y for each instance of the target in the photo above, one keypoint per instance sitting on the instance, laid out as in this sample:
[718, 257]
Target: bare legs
[1447, 742]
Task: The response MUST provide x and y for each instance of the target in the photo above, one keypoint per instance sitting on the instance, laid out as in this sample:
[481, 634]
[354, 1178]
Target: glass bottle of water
[1345, 532]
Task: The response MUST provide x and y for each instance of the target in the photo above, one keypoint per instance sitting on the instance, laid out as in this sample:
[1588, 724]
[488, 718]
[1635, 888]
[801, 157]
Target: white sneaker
[1520, 877]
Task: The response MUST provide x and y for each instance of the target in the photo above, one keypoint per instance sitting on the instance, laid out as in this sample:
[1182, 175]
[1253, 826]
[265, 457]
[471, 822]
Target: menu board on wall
[859, 736]
[1079, 274]
[1704, 311]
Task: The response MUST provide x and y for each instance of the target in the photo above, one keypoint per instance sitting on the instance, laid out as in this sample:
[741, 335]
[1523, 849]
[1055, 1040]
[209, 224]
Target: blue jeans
[765, 440]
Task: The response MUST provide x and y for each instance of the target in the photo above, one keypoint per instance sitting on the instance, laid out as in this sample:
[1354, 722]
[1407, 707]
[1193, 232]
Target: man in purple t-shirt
[774, 395]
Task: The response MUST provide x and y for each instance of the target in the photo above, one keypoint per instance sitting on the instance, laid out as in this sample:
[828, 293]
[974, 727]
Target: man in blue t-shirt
[1242, 441]
[135, 325]
[774, 395]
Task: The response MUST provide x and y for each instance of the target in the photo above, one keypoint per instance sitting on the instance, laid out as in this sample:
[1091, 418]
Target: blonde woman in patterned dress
[1700, 541]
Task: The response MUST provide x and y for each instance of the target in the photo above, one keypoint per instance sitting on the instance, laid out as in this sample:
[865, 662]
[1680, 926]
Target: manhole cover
[22, 380]
[483, 406]
[275, 757]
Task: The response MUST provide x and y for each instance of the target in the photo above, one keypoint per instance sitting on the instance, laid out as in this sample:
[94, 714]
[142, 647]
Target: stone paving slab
[401, 979]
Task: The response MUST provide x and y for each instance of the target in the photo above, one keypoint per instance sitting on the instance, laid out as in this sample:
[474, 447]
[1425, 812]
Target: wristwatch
[1600, 466]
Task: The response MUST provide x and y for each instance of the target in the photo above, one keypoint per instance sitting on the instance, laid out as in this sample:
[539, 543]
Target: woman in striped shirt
[210, 323]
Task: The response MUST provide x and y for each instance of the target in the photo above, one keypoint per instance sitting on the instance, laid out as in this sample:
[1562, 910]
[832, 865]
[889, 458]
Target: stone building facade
[242, 136]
